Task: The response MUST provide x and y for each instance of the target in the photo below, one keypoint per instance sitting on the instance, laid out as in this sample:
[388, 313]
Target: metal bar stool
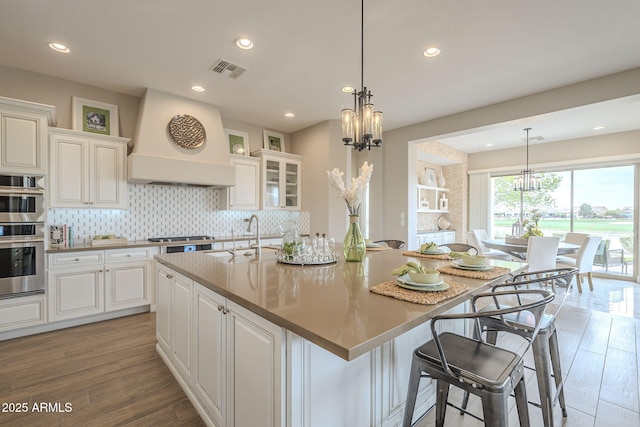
[476, 366]
[546, 355]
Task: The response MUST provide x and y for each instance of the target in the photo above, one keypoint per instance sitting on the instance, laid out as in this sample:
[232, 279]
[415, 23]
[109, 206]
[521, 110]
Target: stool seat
[476, 366]
[476, 362]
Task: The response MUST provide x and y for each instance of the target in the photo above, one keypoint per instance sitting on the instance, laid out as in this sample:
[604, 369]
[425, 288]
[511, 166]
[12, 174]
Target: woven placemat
[379, 249]
[391, 289]
[490, 274]
[444, 257]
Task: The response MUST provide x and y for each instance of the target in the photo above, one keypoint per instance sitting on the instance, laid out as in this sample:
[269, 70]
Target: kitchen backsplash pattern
[159, 210]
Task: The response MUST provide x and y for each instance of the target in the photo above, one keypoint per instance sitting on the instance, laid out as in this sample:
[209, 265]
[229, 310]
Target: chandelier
[527, 181]
[362, 124]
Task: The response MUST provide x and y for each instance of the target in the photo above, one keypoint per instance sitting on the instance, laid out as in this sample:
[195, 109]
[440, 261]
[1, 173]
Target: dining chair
[460, 247]
[546, 356]
[475, 238]
[575, 239]
[583, 261]
[606, 257]
[395, 244]
[542, 252]
[473, 365]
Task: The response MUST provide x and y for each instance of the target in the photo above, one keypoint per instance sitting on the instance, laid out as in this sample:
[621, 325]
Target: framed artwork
[238, 141]
[273, 141]
[431, 177]
[95, 117]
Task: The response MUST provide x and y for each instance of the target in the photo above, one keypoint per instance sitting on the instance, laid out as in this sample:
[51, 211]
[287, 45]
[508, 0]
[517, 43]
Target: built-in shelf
[432, 199]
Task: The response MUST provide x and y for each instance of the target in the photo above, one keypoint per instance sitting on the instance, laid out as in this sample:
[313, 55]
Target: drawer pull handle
[77, 259]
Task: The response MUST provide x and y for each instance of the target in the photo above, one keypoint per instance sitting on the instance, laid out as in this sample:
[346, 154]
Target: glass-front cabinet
[281, 180]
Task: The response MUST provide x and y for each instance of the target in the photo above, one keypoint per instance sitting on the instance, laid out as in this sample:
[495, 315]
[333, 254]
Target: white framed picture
[238, 141]
[273, 141]
[95, 117]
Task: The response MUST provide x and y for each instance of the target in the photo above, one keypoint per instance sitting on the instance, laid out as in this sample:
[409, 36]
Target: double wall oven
[22, 215]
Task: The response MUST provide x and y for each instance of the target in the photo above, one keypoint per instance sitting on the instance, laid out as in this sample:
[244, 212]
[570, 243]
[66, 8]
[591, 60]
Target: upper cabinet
[281, 180]
[87, 170]
[245, 195]
[23, 136]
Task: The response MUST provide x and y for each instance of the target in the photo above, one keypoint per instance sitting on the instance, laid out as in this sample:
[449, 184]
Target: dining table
[519, 250]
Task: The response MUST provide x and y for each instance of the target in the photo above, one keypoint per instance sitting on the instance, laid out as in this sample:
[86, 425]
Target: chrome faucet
[233, 250]
[250, 221]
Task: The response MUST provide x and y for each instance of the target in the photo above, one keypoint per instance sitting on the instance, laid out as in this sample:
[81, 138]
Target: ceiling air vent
[227, 68]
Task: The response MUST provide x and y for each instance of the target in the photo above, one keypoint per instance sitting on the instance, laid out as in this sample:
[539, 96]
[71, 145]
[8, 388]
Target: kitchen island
[256, 342]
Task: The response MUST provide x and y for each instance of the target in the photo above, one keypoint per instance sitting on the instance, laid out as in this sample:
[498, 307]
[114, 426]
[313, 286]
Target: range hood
[157, 159]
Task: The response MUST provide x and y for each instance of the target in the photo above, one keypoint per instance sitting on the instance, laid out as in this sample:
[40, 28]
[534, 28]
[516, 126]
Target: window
[597, 201]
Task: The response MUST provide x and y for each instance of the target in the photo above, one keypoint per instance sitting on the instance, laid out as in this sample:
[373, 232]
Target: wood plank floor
[111, 374]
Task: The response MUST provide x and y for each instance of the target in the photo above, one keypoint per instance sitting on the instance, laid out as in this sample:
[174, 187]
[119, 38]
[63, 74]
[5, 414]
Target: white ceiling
[305, 51]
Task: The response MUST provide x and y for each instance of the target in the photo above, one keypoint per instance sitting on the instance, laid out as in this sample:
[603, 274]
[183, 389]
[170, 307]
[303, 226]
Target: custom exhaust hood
[157, 158]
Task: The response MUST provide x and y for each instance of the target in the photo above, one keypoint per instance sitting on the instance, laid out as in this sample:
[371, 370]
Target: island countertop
[329, 305]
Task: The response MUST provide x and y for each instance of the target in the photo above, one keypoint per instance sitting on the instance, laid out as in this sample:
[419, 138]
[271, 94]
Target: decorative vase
[441, 181]
[354, 246]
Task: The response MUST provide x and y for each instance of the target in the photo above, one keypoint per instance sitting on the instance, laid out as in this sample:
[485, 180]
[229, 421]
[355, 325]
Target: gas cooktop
[180, 238]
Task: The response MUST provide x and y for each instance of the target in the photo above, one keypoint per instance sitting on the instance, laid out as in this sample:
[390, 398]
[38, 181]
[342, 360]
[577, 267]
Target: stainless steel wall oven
[21, 236]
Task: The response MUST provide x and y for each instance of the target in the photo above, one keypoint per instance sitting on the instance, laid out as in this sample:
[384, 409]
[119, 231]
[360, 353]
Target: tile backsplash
[159, 210]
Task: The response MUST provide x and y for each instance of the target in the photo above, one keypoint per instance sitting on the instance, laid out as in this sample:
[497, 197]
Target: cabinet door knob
[220, 308]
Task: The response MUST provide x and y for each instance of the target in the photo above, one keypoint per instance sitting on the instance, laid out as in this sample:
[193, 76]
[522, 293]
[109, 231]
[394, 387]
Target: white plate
[407, 280]
[443, 286]
[443, 223]
[373, 245]
[432, 252]
[460, 264]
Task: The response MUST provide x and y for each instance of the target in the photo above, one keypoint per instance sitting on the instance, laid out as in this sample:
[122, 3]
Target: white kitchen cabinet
[245, 195]
[91, 282]
[75, 292]
[210, 361]
[182, 293]
[437, 237]
[281, 180]
[236, 357]
[87, 170]
[22, 311]
[128, 280]
[164, 286]
[23, 136]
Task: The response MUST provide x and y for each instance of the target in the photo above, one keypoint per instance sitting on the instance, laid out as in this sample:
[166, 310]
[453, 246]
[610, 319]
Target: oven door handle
[21, 191]
[5, 240]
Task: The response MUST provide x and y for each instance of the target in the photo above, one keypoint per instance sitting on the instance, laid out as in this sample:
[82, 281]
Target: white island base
[239, 369]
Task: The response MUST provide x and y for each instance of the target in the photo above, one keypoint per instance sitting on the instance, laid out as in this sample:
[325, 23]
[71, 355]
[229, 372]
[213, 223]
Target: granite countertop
[329, 305]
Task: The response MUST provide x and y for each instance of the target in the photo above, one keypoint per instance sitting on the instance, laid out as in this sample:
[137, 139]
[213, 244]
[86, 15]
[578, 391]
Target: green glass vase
[354, 246]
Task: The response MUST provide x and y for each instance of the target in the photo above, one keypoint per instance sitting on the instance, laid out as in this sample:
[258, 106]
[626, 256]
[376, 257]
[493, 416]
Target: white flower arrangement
[352, 194]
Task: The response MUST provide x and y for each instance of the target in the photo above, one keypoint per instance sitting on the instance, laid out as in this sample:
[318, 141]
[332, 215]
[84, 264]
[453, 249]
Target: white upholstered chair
[583, 260]
[542, 253]
[576, 239]
[475, 238]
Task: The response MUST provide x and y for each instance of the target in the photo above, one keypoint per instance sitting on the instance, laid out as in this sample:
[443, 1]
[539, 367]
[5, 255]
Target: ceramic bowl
[475, 259]
[429, 276]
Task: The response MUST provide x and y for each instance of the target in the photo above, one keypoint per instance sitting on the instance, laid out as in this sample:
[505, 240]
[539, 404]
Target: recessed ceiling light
[197, 88]
[243, 43]
[599, 127]
[489, 145]
[59, 47]
[347, 89]
[431, 52]
[289, 115]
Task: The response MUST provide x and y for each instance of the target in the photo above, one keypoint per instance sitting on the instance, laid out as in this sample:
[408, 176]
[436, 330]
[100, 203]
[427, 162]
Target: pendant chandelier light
[527, 181]
[362, 124]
